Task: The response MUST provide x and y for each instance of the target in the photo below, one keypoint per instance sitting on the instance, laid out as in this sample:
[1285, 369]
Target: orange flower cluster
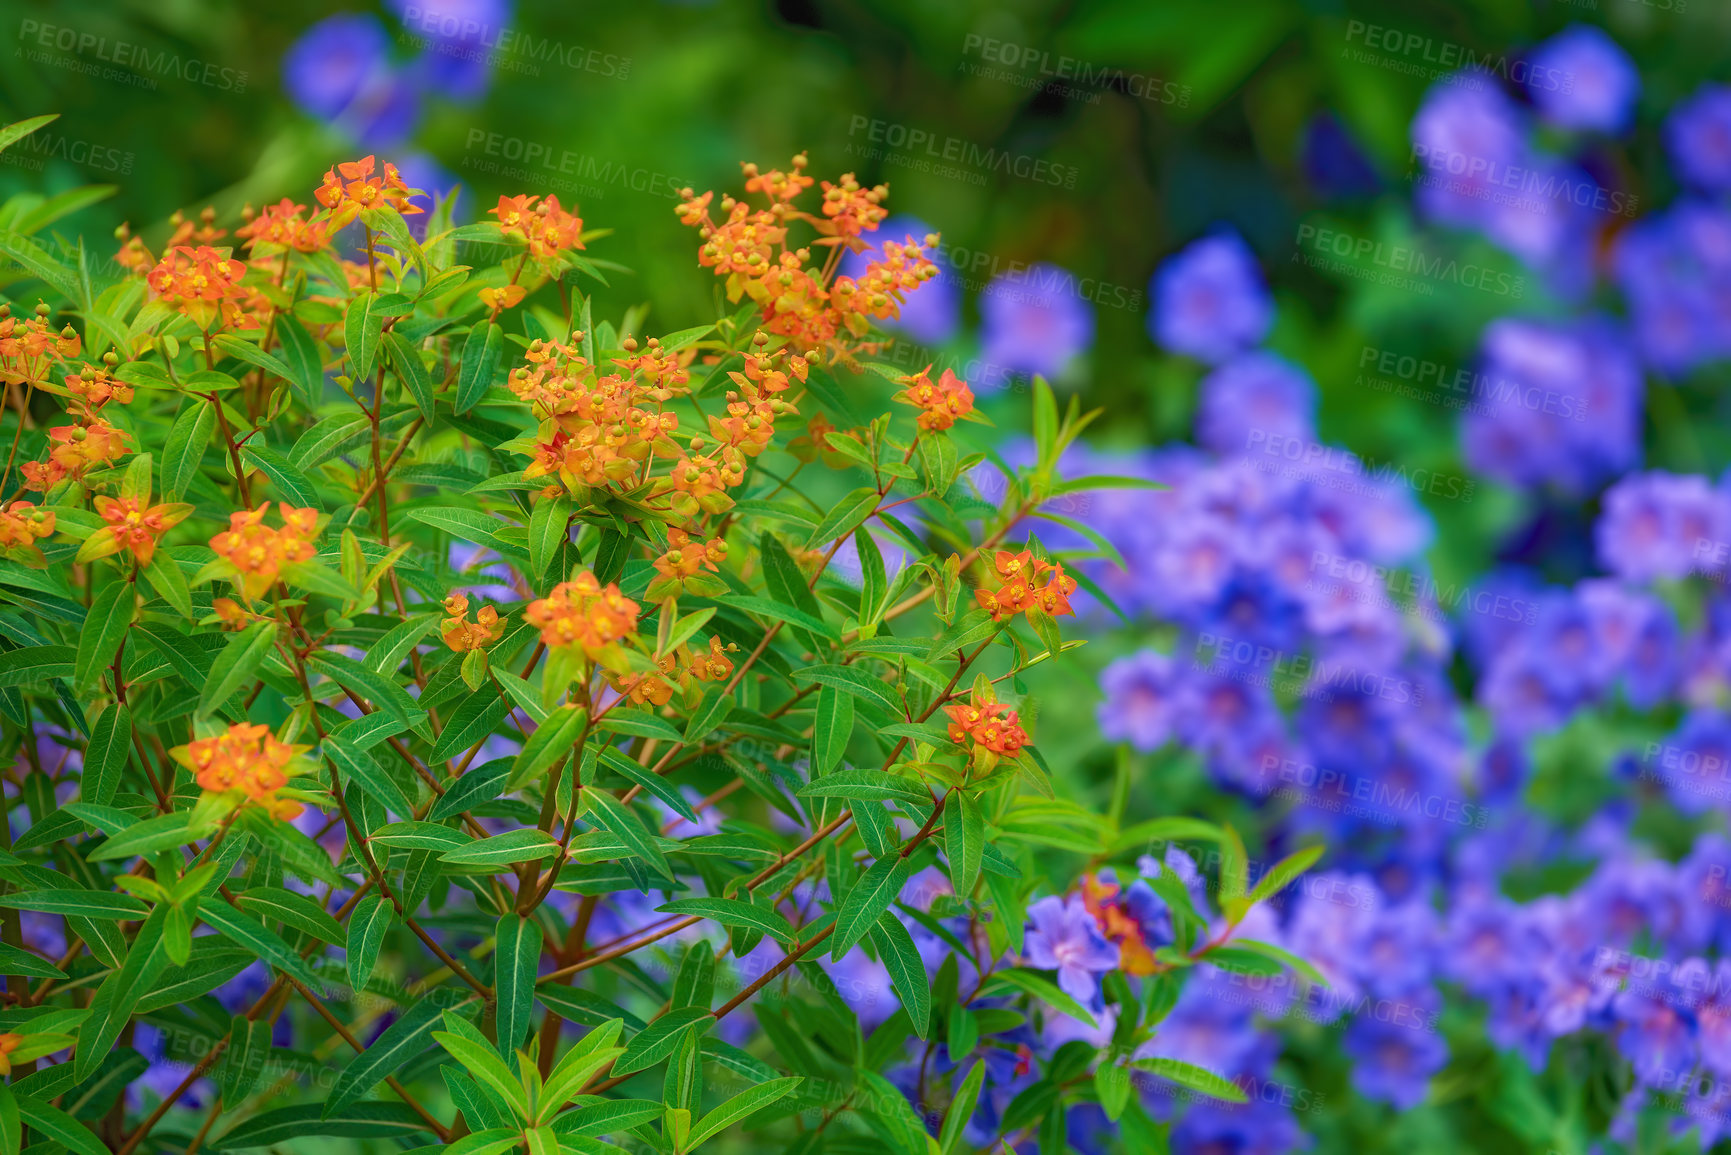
[598, 430]
[21, 527]
[1029, 583]
[989, 726]
[232, 616]
[204, 284]
[258, 553]
[29, 348]
[749, 248]
[74, 451]
[463, 635]
[583, 613]
[280, 226]
[351, 187]
[95, 387]
[132, 527]
[247, 758]
[547, 227]
[940, 404]
[686, 558]
[503, 297]
[1105, 901]
[683, 666]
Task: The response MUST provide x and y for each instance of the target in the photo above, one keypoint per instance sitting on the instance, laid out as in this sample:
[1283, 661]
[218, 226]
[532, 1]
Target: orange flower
[941, 404]
[989, 726]
[21, 527]
[131, 527]
[1029, 583]
[504, 297]
[247, 758]
[203, 284]
[280, 225]
[94, 387]
[259, 554]
[74, 451]
[233, 617]
[584, 614]
[713, 666]
[548, 228]
[463, 635]
[9, 1042]
[351, 187]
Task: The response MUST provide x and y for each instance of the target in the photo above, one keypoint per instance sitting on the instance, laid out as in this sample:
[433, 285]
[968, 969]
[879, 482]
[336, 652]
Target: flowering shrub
[725, 807]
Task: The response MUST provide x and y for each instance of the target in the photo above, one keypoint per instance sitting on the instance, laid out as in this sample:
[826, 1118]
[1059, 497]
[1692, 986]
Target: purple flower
[1035, 322]
[931, 312]
[1467, 135]
[1581, 78]
[1210, 300]
[1675, 270]
[1661, 525]
[1255, 396]
[1657, 1033]
[1698, 136]
[1394, 1060]
[1210, 1126]
[339, 71]
[1065, 938]
[1334, 164]
[1141, 700]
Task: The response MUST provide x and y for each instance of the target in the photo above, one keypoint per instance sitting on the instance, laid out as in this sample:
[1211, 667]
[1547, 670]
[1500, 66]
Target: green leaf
[184, 450]
[166, 578]
[246, 931]
[867, 786]
[479, 360]
[1040, 988]
[327, 438]
[1234, 864]
[856, 682]
[867, 900]
[471, 1049]
[19, 129]
[517, 957]
[14, 961]
[479, 784]
[1195, 1078]
[775, 611]
[413, 373]
[55, 1124]
[735, 912]
[552, 740]
[412, 835]
[252, 354]
[369, 922]
[659, 1039]
[236, 666]
[153, 834]
[104, 627]
[1283, 872]
[120, 992]
[402, 1041]
[549, 527]
[907, 971]
[741, 1107]
[376, 688]
[360, 767]
[655, 784]
[620, 820]
[962, 1108]
[476, 717]
[1285, 957]
[99, 904]
[363, 327]
[964, 841]
[844, 516]
[105, 756]
[307, 1121]
[525, 845]
[37, 665]
[291, 909]
[291, 484]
